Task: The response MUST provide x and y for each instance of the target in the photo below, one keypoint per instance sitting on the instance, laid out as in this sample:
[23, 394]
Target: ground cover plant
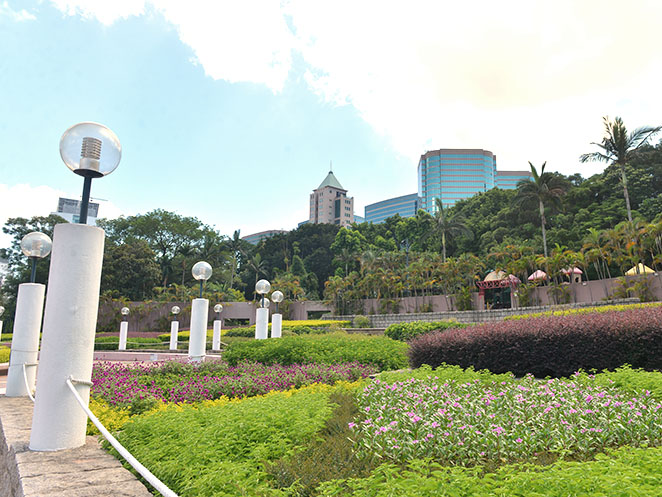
[112, 343]
[330, 348]
[407, 331]
[471, 423]
[584, 310]
[4, 354]
[233, 440]
[549, 346]
[141, 386]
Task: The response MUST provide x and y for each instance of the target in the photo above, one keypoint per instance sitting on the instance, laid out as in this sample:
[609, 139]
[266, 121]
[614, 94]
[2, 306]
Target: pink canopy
[575, 270]
[538, 275]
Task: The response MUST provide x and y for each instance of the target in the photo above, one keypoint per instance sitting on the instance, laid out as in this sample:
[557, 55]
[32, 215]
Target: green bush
[407, 331]
[221, 450]
[622, 472]
[361, 322]
[4, 354]
[112, 343]
[239, 332]
[330, 348]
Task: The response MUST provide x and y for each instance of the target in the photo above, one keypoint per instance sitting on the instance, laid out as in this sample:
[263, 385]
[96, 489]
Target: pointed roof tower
[332, 181]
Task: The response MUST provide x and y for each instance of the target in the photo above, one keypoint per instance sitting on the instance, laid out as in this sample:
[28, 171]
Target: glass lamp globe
[175, 309]
[2, 309]
[36, 244]
[125, 311]
[201, 270]
[262, 287]
[218, 308]
[277, 296]
[90, 149]
[264, 303]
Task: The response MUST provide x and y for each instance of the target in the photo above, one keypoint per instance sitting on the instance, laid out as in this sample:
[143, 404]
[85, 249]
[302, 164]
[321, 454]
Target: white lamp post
[72, 304]
[199, 311]
[2, 310]
[124, 327]
[27, 321]
[262, 287]
[216, 339]
[276, 317]
[174, 327]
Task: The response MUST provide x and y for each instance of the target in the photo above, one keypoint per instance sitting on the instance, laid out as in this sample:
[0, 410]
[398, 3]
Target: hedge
[4, 354]
[112, 343]
[407, 331]
[330, 348]
[549, 346]
[584, 310]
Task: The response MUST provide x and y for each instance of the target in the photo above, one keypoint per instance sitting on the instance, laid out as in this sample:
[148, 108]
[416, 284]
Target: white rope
[25, 379]
[144, 472]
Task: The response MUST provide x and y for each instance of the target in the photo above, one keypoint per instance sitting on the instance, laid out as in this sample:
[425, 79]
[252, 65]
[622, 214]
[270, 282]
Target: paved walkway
[83, 472]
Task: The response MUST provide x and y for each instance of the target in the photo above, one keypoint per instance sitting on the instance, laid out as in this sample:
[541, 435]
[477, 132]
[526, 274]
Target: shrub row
[407, 331]
[4, 354]
[549, 346]
[584, 310]
[112, 343]
[330, 348]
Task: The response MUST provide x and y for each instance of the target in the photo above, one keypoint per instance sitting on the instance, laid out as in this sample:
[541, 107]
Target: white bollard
[174, 329]
[198, 339]
[25, 340]
[262, 323]
[124, 331]
[216, 338]
[0, 326]
[67, 345]
[276, 325]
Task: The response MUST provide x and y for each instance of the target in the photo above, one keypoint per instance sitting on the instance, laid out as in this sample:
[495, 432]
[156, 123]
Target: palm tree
[617, 147]
[544, 187]
[448, 226]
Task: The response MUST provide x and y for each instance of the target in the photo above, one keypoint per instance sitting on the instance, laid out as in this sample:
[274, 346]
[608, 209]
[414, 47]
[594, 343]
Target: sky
[232, 111]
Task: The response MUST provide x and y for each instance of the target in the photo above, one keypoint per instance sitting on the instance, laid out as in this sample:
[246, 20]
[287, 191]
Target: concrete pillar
[261, 323]
[198, 339]
[216, 339]
[25, 340]
[276, 325]
[67, 346]
[124, 331]
[174, 330]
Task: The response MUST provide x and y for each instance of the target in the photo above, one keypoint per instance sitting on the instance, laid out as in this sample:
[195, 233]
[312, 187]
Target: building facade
[69, 209]
[405, 206]
[507, 180]
[330, 204]
[256, 238]
[454, 174]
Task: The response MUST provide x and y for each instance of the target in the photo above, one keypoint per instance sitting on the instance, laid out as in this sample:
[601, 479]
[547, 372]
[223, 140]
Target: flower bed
[121, 385]
[471, 423]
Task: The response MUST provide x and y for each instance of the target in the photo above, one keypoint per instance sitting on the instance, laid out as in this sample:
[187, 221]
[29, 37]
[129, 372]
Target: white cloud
[27, 201]
[15, 15]
[526, 80]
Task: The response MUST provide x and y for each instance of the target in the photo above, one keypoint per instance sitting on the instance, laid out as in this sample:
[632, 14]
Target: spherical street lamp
[277, 298]
[264, 303]
[218, 308]
[90, 150]
[174, 327]
[175, 310]
[262, 287]
[216, 335]
[35, 245]
[125, 312]
[202, 272]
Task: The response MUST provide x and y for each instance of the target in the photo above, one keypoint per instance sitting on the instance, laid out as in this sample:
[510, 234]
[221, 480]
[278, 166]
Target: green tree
[543, 188]
[617, 147]
[130, 270]
[347, 246]
[448, 225]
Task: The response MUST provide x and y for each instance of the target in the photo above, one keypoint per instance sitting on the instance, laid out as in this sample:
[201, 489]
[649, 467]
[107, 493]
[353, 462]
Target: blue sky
[231, 111]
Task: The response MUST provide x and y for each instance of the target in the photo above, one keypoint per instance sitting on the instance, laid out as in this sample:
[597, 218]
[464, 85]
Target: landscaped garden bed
[249, 428]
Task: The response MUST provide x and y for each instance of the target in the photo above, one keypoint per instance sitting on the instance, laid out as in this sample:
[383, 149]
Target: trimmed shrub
[361, 322]
[584, 310]
[112, 343]
[406, 331]
[549, 346]
[330, 348]
[248, 332]
[4, 354]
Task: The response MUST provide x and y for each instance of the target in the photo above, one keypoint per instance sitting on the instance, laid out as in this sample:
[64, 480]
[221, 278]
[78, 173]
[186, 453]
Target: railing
[135, 464]
[25, 378]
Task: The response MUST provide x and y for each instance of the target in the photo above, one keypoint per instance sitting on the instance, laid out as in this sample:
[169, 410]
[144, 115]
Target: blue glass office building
[507, 180]
[454, 174]
[406, 206]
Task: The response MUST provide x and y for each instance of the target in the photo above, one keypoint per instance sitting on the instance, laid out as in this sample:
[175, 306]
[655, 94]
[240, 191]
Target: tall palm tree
[543, 188]
[617, 147]
[448, 226]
